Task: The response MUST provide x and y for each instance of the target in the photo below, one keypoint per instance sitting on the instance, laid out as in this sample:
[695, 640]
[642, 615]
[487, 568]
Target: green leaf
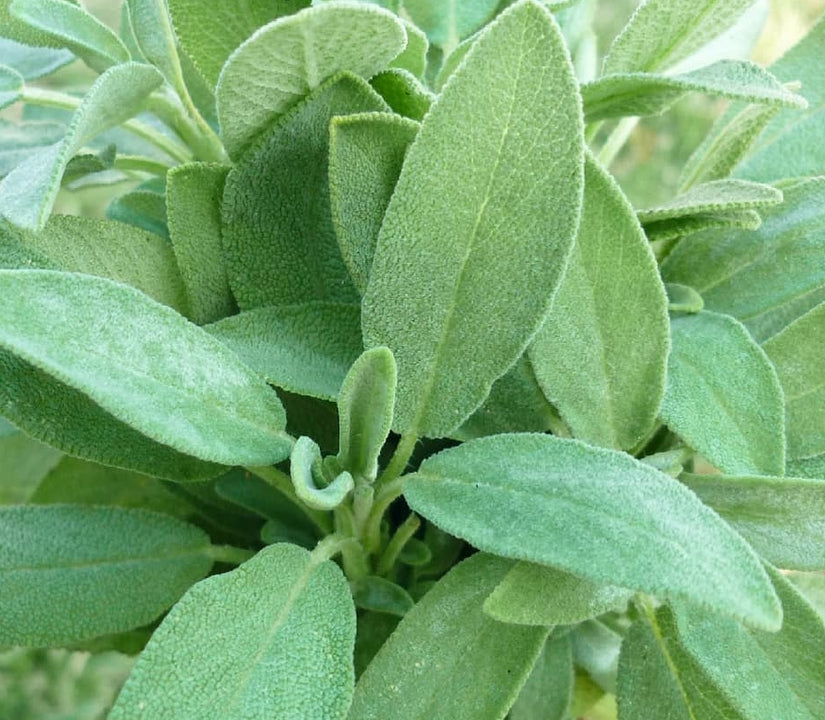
[278, 236]
[414, 56]
[510, 217]
[811, 586]
[273, 638]
[596, 650]
[305, 349]
[683, 299]
[447, 22]
[21, 32]
[663, 32]
[533, 594]
[210, 32]
[796, 354]
[451, 62]
[31, 62]
[403, 92]
[305, 467]
[548, 692]
[723, 396]
[531, 497]
[193, 208]
[664, 230]
[768, 278]
[24, 463]
[11, 85]
[283, 61]
[119, 348]
[70, 26]
[366, 152]
[106, 569]
[601, 355]
[144, 208]
[28, 192]
[783, 519]
[88, 163]
[19, 141]
[640, 94]
[380, 595]
[447, 659]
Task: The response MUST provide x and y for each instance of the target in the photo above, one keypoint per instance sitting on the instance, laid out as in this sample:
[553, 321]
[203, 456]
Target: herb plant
[374, 323]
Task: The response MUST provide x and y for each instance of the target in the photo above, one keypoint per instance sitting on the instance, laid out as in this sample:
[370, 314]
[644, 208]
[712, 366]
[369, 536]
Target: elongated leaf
[144, 207]
[723, 396]
[273, 638]
[283, 61]
[796, 354]
[414, 56]
[365, 156]
[120, 348]
[306, 349]
[548, 692]
[639, 94]
[24, 463]
[305, 466]
[765, 279]
[664, 230]
[11, 85]
[601, 355]
[596, 650]
[447, 22]
[19, 141]
[782, 518]
[32, 62]
[403, 92]
[278, 235]
[28, 192]
[447, 659]
[486, 228]
[17, 30]
[682, 298]
[531, 497]
[106, 569]
[75, 29]
[380, 595]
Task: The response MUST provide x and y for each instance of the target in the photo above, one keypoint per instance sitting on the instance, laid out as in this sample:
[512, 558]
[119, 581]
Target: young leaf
[447, 22]
[24, 463]
[304, 466]
[21, 32]
[144, 207]
[305, 349]
[366, 152]
[683, 299]
[32, 62]
[19, 141]
[28, 192]
[380, 595]
[601, 355]
[447, 659]
[723, 396]
[663, 230]
[273, 638]
[485, 227]
[283, 61]
[596, 513]
[548, 692]
[106, 569]
[11, 85]
[413, 58]
[403, 92]
[278, 236]
[119, 348]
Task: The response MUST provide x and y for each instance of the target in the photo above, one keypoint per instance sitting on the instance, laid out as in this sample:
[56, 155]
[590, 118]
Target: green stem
[592, 130]
[138, 163]
[385, 497]
[230, 554]
[616, 140]
[355, 562]
[283, 484]
[398, 463]
[188, 123]
[394, 547]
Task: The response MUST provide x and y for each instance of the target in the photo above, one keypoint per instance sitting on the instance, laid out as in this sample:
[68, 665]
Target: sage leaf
[273, 638]
[403, 92]
[413, 58]
[446, 658]
[28, 192]
[305, 466]
[116, 348]
[24, 462]
[447, 22]
[783, 519]
[596, 650]
[365, 156]
[530, 496]
[380, 595]
[452, 61]
[434, 316]
[682, 298]
[601, 355]
[19, 141]
[21, 32]
[664, 230]
[11, 85]
[278, 236]
[810, 586]
[548, 692]
[32, 62]
[106, 569]
[306, 349]
[723, 396]
[144, 208]
[286, 59]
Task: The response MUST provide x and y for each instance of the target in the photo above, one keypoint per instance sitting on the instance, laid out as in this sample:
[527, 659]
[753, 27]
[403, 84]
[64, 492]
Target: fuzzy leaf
[601, 355]
[24, 463]
[496, 216]
[273, 638]
[32, 62]
[304, 463]
[723, 396]
[283, 61]
[596, 513]
[683, 299]
[144, 208]
[106, 569]
[403, 92]
[663, 230]
[21, 32]
[11, 85]
[447, 22]
[19, 141]
[380, 595]
[548, 692]
[413, 58]
[447, 659]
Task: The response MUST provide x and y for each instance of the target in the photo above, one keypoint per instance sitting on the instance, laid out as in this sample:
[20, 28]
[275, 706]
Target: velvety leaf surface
[278, 234]
[24, 462]
[306, 349]
[144, 208]
[446, 22]
[548, 692]
[70, 573]
[601, 355]
[118, 347]
[412, 58]
[403, 92]
[723, 396]
[283, 61]
[31, 62]
[11, 85]
[447, 659]
[663, 230]
[20, 140]
[17, 30]
[496, 217]
[273, 638]
[596, 513]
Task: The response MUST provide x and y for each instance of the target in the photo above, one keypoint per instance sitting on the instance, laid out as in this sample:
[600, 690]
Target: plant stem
[331, 545]
[385, 497]
[138, 163]
[283, 484]
[188, 123]
[616, 140]
[230, 554]
[394, 547]
[398, 463]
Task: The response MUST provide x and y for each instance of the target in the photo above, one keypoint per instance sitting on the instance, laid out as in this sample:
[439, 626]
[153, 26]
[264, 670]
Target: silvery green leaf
[21, 32]
[32, 62]
[548, 692]
[305, 462]
[596, 649]
[683, 299]
[447, 22]
[403, 92]
[414, 56]
[664, 230]
[380, 595]
[11, 85]
[24, 462]
[143, 208]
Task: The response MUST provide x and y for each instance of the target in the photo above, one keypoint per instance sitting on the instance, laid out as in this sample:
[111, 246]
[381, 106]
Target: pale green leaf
[21, 32]
[278, 236]
[11, 85]
[305, 349]
[447, 22]
[272, 639]
[19, 141]
[403, 92]
[548, 692]
[71, 573]
[143, 208]
[32, 62]
[28, 192]
[812, 588]
[120, 348]
[452, 61]
[723, 396]
[596, 650]
[596, 513]
[305, 466]
[414, 57]
[601, 355]
[683, 299]
[665, 230]
[496, 217]
[365, 157]
[286, 59]
[24, 463]
[447, 659]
